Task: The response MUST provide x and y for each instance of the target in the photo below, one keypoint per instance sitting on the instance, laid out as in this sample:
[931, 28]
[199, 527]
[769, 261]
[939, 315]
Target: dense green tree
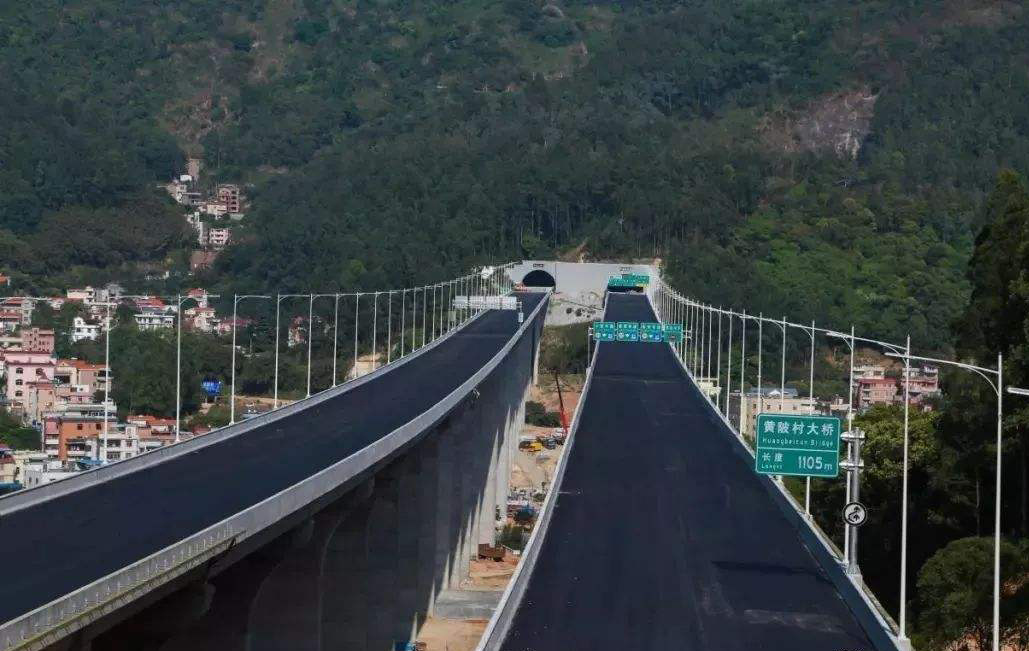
[17, 436]
[955, 588]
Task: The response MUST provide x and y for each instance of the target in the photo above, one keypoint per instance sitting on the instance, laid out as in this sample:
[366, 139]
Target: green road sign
[627, 331]
[604, 330]
[673, 332]
[806, 446]
[637, 279]
[651, 332]
[618, 281]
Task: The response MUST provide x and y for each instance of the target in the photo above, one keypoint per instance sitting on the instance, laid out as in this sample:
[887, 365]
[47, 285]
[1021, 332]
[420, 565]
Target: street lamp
[236, 298]
[310, 333]
[180, 301]
[102, 448]
[278, 303]
[335, 336]
[995, 378]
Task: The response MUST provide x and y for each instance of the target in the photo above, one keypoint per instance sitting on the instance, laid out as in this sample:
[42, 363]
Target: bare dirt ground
[451, 634]
[490, 575]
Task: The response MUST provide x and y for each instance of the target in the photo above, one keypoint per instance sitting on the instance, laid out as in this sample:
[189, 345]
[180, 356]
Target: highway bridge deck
[663, 537]
[61, 544]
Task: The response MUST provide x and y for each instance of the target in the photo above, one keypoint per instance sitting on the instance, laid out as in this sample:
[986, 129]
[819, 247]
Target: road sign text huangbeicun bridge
[789, 444]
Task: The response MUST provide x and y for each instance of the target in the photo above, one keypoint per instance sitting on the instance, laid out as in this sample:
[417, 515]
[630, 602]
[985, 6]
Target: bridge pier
[430, 513]
[344, 602]
[287, 607]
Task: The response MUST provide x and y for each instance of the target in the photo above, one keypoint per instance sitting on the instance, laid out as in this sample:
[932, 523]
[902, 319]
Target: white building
[154, 319]
[214, 208]
[218, 237]
[38, 474]
[183, 191]
[84, 295]
[82, 330]
[122, 442]
[769, 401]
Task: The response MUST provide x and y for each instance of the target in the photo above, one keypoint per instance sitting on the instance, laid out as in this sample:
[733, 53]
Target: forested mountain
[838, 160]
[810, 158]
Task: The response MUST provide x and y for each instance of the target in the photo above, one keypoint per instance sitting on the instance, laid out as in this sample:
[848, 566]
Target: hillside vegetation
[814, 158]
[837, 160]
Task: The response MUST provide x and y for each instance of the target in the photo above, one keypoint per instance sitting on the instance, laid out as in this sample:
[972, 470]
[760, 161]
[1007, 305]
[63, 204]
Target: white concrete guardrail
[65, 615]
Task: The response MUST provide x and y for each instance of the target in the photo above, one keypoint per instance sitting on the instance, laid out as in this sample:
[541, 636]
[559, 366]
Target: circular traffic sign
[855, 514]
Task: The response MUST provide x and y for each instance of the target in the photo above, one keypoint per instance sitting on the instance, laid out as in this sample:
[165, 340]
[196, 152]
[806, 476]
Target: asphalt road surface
[65, 543]
[663, 537]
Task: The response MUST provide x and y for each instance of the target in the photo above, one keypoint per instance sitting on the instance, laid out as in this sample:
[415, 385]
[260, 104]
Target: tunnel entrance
[539, 278]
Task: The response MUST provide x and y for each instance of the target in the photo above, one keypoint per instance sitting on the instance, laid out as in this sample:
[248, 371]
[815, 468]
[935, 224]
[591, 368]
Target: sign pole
[854, 438]
[850, 427]
[811, 397]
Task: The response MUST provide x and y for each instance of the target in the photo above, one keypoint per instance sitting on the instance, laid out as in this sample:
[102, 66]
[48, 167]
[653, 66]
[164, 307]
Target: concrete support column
[448, 508]
[344, 576]
[429, 570]
[382, 551]
[409, 517]
[495, 419]
[473, 464]
[287, 610]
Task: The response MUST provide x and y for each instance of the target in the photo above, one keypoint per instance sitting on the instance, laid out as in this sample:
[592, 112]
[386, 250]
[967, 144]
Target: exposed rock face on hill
[836, 123]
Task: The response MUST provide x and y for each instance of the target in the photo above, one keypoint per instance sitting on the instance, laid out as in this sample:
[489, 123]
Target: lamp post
[278, 304]
[389, 327]
[357, 329]
[995, 378]
[335, 336]
[236, 298]
[102, 448]
[310, 334]
[425, 312]
[310, 339]
[180, 300]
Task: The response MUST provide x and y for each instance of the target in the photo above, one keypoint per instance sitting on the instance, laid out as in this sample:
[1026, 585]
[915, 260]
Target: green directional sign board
[604, 330]
[673, 332]
[619, 281]
[636, 279]
[806, 446]
[627, 331]
[652, 332]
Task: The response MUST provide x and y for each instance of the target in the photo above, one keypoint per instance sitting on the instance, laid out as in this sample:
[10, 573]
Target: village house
[219, 238]
[20, 306]
[82, 330]
[150, 318]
